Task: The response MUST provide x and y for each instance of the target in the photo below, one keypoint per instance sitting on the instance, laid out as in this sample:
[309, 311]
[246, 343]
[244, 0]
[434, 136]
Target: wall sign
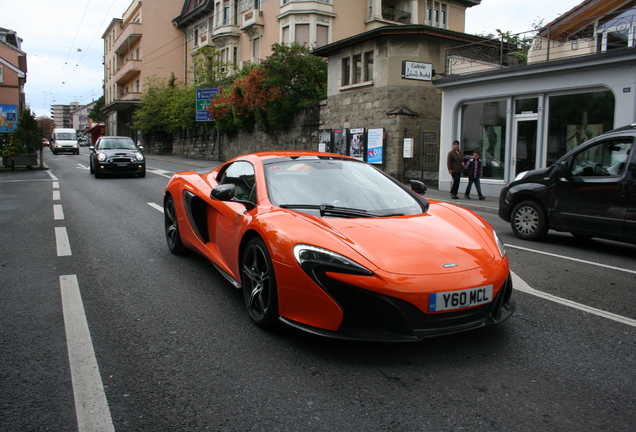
[417, 70]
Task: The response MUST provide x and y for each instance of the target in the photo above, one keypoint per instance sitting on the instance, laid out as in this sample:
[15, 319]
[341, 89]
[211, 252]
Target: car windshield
[115, 144]
[65, 136]
[341, 188]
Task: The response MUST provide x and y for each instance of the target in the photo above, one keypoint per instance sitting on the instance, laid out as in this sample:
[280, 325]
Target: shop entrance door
[524, 157]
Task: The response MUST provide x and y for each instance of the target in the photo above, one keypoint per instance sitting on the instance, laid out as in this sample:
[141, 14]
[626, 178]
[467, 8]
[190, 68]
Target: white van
[64, 140]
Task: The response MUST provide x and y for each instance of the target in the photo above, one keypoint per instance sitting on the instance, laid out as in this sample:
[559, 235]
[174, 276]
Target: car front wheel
[173, 238]
[529, 221]
[259, 284]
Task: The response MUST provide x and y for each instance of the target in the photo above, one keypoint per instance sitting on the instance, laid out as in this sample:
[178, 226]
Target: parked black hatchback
[116, 155]
[589, 192]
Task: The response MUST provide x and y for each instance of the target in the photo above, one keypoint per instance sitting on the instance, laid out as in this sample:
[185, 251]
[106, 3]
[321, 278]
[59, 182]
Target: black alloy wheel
[171, 224]
[259, 284]
[529, 221]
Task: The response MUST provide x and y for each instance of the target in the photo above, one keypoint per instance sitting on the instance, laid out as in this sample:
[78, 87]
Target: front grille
[367, 310]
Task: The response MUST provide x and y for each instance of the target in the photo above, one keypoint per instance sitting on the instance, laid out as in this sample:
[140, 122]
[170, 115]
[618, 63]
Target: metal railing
[579, 38]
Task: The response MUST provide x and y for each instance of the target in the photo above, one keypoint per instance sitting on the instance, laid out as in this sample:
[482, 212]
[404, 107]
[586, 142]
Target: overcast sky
[64, 47]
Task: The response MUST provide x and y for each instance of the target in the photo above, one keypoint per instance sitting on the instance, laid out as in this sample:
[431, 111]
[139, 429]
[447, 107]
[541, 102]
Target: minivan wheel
[529, 221]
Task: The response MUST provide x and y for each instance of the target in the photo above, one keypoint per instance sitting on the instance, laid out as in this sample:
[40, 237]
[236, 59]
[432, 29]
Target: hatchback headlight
[139, 156]
[101, 157]
[500, 245]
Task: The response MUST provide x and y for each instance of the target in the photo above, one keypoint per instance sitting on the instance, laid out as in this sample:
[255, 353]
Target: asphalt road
[174, 349]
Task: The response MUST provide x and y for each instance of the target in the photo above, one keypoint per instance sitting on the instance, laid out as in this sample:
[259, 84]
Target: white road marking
[82, 166]
[156, 207]
[91, 405]
[58, 212]
[56, 195]
[61, 240]
[56, 185]
[164, 173]
[520, 285]
[51, 175]
[571, 259]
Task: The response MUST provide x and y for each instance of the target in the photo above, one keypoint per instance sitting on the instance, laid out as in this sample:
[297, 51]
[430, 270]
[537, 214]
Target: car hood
[119, 152]
[445, 239]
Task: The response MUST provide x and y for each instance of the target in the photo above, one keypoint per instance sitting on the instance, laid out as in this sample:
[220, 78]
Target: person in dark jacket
[455, 164]
[474, 169]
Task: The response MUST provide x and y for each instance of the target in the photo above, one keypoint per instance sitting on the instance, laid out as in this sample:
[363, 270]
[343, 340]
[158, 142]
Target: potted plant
[27, 141]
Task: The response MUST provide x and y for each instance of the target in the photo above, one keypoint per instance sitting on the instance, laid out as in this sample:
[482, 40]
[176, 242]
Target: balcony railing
[568, 40]
[400, 16]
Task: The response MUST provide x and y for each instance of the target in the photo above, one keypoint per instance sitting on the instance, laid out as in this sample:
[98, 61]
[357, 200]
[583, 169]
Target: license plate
[459, 299]
[121, 164]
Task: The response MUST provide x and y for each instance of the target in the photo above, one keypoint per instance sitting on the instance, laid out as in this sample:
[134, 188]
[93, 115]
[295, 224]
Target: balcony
[128, 71]
[251, 18]
[128, 37]
[576, 38]
[396, 15]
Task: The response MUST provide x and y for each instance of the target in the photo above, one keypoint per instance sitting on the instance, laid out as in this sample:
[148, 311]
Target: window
[241, 175]
[302, 34]
[357, 69]
[137, 53]
[605, 159]
[346, 71]
[436, 14]
[137, 87]
[286, 35]
[322, 35]
[256, 48]
[483, 128]
[226, 12]
[576, 118]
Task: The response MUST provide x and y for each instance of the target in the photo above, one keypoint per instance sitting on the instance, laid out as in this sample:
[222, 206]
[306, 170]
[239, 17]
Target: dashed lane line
[58, 212]
[156, 207]
[91, 405]
[62, 242]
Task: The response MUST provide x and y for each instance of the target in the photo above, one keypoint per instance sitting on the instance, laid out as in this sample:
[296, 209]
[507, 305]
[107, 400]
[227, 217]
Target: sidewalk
[489, 205]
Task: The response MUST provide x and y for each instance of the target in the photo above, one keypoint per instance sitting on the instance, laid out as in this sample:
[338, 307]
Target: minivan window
[65, 136]
[607, 158]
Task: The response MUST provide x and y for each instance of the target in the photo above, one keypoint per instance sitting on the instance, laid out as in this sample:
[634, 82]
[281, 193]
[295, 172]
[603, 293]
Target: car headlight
[101, 157]
[139, 156]
[311, 257]
[500, 245]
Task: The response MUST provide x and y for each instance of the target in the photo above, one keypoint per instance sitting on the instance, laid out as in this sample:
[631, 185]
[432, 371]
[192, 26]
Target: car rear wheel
[529, 221]
[173, 238]
[259, 284]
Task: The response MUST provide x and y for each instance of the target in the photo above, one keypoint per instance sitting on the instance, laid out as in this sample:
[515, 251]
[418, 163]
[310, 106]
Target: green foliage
[270, 93]
[167, 107]
[520, 44]
[28, 137]
[209, 70]
[96, 113]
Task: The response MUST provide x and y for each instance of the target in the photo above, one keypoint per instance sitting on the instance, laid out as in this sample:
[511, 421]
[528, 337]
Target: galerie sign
[417, 70]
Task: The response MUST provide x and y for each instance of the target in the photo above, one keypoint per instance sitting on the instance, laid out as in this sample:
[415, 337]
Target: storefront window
[576, 118]
[484, 129]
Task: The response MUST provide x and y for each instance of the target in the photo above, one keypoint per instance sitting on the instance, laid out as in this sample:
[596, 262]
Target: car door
[628, 188]
[588, 197]
[227, 220]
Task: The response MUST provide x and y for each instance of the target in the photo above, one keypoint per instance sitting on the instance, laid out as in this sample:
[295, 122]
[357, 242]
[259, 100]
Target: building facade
[13, 73]
[244, 30]
[579, 82]
[62, 115]
[140, 45]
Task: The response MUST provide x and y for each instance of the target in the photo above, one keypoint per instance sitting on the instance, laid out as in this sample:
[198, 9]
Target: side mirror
[564, 168]
[225, 192]
[418, 187]
[91, 148]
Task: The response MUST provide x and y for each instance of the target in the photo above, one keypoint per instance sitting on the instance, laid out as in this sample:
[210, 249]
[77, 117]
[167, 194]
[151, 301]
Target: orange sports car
[335, 247]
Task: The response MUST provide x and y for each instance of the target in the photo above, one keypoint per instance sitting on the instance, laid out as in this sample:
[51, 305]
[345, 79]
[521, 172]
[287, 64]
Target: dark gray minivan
[590, 192]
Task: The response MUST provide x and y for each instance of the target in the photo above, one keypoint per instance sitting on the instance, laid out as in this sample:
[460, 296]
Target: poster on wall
[375, 147]
[8, 118]
[356, 143]
[324, 141]
[578, 134]
[340, 141]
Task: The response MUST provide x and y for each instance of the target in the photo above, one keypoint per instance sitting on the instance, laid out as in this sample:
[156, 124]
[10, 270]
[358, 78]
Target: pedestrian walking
[455, 164]
[474, 169]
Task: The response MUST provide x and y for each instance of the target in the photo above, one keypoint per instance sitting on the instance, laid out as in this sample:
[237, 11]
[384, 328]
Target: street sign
[203, 102]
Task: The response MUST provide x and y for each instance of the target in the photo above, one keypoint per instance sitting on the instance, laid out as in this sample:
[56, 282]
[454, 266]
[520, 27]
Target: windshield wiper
[331, 210]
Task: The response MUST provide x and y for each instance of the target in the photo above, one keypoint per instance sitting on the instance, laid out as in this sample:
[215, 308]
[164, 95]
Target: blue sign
[8, 118]
[203, 102]
[375, 138]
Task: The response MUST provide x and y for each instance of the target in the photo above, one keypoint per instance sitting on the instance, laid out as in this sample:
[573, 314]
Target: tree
[96, 113]
[519, 45]
[270, 93]
[47, 125]
[28, 137]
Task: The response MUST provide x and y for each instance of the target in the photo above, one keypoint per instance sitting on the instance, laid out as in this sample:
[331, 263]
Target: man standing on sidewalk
[455, 164]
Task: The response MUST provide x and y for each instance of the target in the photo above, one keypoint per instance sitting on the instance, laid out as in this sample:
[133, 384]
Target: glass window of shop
[576, 118]
[484, 128]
